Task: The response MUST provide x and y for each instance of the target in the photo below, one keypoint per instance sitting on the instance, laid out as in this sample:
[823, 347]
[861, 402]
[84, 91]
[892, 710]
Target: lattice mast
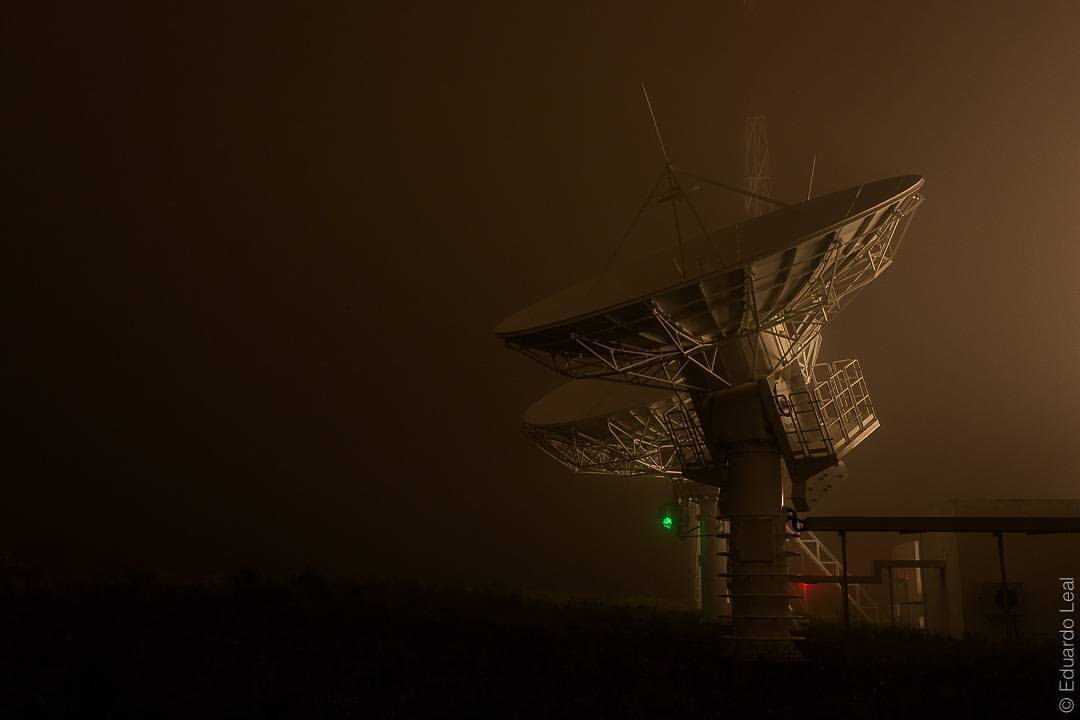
[756, 176]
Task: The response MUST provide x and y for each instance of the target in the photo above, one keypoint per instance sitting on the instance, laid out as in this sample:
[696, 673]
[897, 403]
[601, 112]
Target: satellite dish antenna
[763, 290]
[733, 346]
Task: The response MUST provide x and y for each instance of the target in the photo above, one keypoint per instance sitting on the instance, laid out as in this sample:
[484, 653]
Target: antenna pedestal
[758, 574]
[736, 427]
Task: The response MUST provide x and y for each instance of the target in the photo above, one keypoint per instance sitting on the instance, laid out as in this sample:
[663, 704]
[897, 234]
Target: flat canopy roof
[944, 523]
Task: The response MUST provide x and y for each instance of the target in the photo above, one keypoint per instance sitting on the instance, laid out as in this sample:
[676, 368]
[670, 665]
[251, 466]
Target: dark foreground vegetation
[308, 648]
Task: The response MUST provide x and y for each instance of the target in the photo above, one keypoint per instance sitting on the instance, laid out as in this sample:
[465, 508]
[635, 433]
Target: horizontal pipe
[943, 523]
[874, 579]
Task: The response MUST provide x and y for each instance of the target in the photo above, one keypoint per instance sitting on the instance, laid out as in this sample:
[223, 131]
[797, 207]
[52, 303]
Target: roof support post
[844, 579]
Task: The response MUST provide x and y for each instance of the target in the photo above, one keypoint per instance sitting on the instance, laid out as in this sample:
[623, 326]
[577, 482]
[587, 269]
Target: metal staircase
[819, 554]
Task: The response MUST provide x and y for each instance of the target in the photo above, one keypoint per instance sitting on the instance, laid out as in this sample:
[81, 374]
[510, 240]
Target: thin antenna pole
[673, 186]
[681, 262]
[813, 165]
[656, 126]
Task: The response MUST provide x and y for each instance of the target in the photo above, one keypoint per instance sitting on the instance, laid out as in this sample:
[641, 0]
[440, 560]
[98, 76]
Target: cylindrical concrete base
[759, 582]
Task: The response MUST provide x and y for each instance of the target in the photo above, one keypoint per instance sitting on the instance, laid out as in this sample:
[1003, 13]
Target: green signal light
[668, 522]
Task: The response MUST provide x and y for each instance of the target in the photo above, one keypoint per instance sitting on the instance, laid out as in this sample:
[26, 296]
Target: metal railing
[830, 417]
[820, 555]
[843, 401]
[804, 424]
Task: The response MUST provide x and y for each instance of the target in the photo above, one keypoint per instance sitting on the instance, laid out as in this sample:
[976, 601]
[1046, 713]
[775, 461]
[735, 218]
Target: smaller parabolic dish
[602, 427]
[599, 427]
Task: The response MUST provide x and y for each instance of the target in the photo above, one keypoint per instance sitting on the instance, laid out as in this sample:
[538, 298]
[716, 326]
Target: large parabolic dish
[755, 294]
[719, 381]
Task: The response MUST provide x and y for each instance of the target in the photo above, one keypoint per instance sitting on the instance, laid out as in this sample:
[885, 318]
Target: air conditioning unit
[995, 599]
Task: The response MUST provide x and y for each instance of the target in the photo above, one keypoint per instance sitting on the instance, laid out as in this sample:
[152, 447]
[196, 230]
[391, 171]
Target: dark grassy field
[246, 647]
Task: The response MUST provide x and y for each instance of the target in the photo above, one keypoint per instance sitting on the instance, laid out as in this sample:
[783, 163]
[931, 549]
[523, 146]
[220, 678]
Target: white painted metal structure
[760, 294]
[824, 561]
[733, 345]
[596, 427]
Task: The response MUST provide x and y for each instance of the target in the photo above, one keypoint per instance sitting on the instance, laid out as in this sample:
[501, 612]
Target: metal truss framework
[775, 338]
[667, 440]
[660, 440]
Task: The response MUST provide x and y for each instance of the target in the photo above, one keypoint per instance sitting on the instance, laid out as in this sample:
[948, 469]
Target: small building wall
[944, 599]
[968, 597]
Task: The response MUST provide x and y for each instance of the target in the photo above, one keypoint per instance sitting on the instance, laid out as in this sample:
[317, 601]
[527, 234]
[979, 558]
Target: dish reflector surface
[784, 248]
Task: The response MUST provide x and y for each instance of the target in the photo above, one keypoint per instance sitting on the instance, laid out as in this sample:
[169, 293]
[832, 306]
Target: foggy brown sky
[255, 256]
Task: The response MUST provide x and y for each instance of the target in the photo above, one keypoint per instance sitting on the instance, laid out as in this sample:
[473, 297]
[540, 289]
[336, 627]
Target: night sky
[255, 253]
